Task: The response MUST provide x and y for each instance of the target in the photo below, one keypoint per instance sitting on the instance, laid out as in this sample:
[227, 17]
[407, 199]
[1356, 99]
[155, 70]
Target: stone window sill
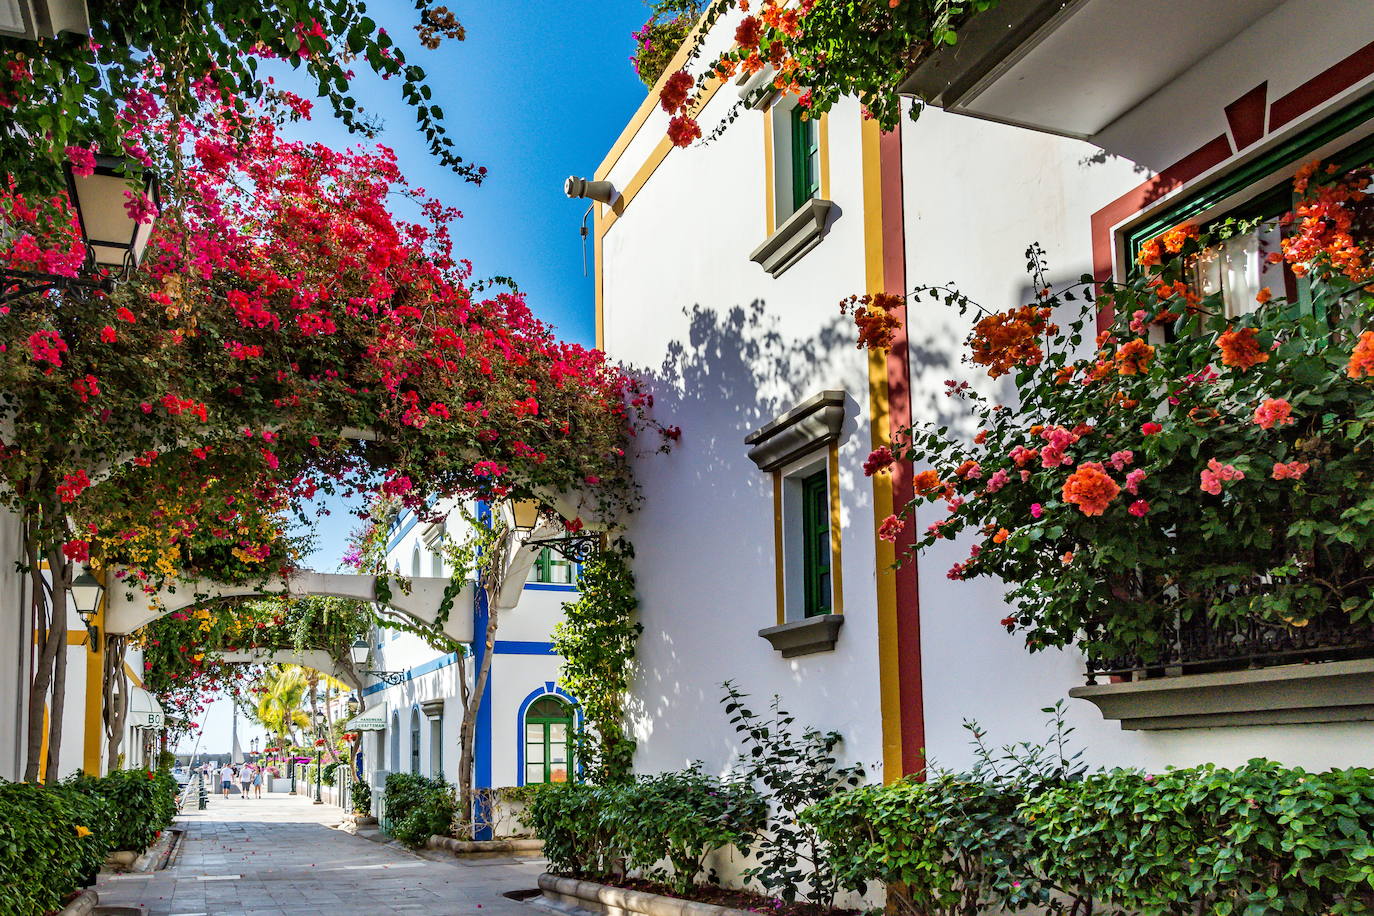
[1282, 695]
[801, 232]
[805, 637]
[813, 423]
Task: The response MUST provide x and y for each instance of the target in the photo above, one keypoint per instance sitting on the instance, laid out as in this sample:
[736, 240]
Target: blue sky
[538, 91]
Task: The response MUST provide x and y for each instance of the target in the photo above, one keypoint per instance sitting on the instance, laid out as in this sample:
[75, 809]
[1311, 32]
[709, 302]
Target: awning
[144, 709]
[372, 719]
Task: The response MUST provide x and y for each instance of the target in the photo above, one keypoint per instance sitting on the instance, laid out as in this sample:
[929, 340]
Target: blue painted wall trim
[548, 587]
[519, 647]
[481, 763]
[549, 688]
[404, 530]
[411, 674]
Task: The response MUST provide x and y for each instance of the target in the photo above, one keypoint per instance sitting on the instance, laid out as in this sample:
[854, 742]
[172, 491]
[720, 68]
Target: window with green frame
[548, 740]
[815, 499]
[806, 152]
[1237, 268]
[552, 568]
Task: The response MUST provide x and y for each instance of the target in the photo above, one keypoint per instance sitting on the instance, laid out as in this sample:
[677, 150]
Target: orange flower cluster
[874, 317]
[1133, 357]
[1152, 252]
[926, 482]
[1326, 224]
[1090, 488]
[1362, 358]
[1240, 349]
[1004, 340]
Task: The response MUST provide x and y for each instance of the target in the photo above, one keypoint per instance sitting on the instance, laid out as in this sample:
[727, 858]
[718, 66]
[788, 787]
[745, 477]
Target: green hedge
[663, 827]
[142, 804]
[418, 807]
[362, 797]
[1259, 839]
[43, 856]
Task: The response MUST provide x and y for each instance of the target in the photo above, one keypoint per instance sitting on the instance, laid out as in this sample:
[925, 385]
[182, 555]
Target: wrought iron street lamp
[576, 547]
[114, 237]
[359, 652]
[86, 590]
[319, 750]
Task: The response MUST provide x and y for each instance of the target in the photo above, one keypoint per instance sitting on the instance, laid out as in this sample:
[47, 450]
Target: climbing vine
[596, 639]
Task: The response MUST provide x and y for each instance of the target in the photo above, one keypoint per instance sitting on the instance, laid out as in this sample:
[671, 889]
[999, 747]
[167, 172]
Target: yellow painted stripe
[836, 577]
[889, 684]
[138, 681]
[94, 731]
[779, 582]
[823, 141]
[599, 278]
[43, 749]
[770, 205]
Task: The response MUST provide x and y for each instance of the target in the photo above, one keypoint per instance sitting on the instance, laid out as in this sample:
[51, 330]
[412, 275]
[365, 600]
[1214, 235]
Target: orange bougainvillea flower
[875, 318]
[1177, 237]
[1133, 357]
[1149, 254]
[1240, 349]
[1001, 536]
[1090, 488]
[1004, 340]
[926, 482]
[1362, 358]
[1273, 412]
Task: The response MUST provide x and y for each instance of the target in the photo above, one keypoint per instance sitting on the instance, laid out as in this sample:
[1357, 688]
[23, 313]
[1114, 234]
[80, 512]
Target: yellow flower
[82, 831]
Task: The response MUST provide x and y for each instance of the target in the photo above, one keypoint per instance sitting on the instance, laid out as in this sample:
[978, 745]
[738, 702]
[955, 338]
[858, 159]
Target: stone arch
[318, 659]
[127, 608]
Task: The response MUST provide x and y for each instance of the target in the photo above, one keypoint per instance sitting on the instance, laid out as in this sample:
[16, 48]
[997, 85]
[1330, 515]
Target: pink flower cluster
[1216, 473]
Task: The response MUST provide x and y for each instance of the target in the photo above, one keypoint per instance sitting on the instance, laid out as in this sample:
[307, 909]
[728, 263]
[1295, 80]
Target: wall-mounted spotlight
[599, 191]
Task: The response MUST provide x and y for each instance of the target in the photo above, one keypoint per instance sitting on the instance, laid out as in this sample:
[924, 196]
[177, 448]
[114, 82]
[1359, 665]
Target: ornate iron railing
[1197, 646]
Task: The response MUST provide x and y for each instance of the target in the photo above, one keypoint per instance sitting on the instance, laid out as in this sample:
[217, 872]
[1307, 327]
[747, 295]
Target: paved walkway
[278, 855]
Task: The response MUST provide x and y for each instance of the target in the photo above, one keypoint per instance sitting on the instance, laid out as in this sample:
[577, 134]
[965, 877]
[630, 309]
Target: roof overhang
[1072, 67]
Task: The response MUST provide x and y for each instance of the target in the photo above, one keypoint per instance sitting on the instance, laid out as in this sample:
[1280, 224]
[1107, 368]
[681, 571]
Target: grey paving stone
[288, 861]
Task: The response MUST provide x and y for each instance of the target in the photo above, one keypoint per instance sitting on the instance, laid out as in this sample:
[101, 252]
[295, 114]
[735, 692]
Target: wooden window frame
[545, 722]
[816, 559]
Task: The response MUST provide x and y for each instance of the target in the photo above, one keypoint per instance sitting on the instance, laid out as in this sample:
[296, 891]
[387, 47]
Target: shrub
[578, 838]
[1029, 828]
[362, 797]
[44, 855]
[418, 807]
[657, 41]
[142, 804]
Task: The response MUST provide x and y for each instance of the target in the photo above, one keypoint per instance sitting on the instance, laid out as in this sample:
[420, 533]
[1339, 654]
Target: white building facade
[719, 270]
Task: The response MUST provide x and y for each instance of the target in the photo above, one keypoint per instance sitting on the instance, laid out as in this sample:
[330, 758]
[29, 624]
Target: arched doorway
[394, 760]
[415, 741]
[546, 739]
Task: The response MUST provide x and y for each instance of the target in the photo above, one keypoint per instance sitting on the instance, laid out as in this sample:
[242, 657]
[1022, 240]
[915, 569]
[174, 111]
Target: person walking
[226, 779]
[257, 782]
[245, 779]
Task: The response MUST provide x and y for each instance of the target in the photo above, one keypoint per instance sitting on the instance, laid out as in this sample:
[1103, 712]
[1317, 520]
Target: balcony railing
[1199, 646]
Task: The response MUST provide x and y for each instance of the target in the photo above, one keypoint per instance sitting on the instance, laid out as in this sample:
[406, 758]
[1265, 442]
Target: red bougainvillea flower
[1290, 471]
[1150, 429]
[1139, 508]
[879, 460]
[1090, 488]
[1216, 473]
[1273, 412]
[675, 91]
[1240, 349]
[891, 528]
[1036, 510]
[683, 129]
[1362, 358]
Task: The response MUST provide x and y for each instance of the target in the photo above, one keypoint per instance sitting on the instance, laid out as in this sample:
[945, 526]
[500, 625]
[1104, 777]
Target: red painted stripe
[1246, 116]
[909, 679]
[1325, 85]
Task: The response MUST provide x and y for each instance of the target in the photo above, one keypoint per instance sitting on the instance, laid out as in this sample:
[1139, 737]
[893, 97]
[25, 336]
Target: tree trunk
[60, 569]
[468, 733]
[116, 698]
[46, 647]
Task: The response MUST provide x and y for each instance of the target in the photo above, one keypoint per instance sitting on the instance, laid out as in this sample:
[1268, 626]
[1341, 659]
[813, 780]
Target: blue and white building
[525, 722]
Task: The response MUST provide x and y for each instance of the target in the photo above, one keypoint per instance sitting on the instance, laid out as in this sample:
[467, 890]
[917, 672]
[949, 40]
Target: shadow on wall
[705, 528]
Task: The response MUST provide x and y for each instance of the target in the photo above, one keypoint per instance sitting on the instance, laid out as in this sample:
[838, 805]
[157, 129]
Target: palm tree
[282, 691]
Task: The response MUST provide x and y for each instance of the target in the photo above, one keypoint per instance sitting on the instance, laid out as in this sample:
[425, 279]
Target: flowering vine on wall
[1189, 464]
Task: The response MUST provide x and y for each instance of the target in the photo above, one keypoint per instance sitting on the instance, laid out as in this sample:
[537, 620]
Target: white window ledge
[806, 636]
[1282, 695]
[801, 232]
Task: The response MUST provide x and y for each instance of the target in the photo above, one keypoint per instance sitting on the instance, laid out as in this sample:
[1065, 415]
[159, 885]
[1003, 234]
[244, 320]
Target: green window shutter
[816, 545]
[806, 179]
[544, 566]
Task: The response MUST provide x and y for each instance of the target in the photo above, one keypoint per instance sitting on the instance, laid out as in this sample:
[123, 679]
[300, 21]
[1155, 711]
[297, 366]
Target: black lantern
[86, 590]
[114, 237]
[576, 547]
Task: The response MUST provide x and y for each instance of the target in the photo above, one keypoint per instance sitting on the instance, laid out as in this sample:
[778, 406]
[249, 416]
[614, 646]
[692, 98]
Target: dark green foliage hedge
[1259, 839]
[662, 827]
[142, 804]
[43, 855]
[362, 797]
[418, 807]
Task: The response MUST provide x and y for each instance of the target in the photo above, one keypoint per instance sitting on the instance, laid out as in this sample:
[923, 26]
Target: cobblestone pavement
[279, 855]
